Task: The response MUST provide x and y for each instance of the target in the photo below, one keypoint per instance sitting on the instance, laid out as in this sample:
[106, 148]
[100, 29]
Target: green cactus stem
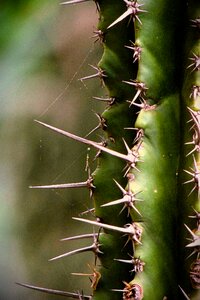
[145, 189]
[189, 196]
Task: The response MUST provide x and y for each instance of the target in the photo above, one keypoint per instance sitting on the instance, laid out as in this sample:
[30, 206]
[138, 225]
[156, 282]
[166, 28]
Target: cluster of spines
[132, 230]
[191, 97]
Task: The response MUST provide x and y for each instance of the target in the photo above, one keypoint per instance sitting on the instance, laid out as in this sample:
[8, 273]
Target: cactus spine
[146, 186]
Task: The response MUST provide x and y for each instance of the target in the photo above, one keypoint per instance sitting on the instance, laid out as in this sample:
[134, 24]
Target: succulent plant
[145, 189]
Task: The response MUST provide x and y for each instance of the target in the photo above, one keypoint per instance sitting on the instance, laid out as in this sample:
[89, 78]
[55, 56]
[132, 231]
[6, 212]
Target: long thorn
[119, 201]
[76, 251]
[106, 226]
[133, 8]
[73, 2]
[90, 210]
[127, 13]
[117, 290]
[133, 230]
[55, 292]
[89, 142]
[126, 261]
[92, 248]
[82, 236]
[61, 185]
[186, 296]
[81, 274]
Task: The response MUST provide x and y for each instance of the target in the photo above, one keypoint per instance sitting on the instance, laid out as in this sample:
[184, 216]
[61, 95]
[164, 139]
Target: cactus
[145, 189]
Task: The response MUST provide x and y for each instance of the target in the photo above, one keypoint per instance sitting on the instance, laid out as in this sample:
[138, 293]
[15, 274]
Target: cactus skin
[189, 208]
[161, 80]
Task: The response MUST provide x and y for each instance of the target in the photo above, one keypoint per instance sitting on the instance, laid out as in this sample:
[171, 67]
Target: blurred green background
[45, 48]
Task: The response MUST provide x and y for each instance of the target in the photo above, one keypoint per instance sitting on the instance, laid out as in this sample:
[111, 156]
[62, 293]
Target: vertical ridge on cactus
[150, 68]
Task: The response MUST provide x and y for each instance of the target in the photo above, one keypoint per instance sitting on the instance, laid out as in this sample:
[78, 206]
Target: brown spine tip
[132, 291]
[195, 274]
[99, 35]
